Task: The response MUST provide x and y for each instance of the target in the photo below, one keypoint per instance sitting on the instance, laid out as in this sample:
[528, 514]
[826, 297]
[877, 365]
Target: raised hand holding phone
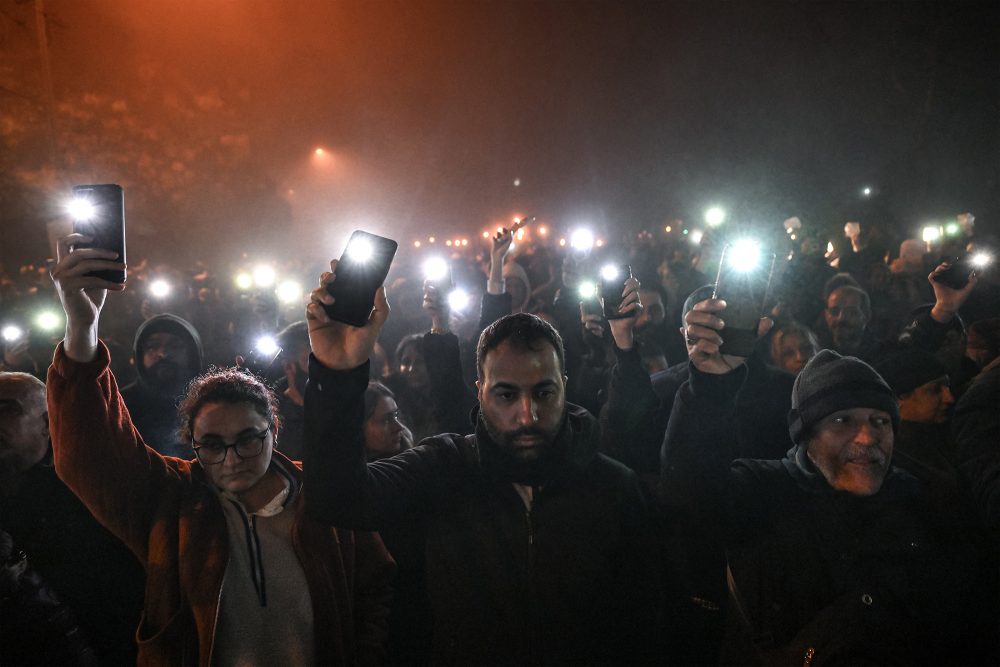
[337, 345]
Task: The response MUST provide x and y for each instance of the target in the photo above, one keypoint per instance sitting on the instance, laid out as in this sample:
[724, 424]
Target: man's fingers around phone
[704, 319]
[699, 333]
[316, 313]
[321, 296]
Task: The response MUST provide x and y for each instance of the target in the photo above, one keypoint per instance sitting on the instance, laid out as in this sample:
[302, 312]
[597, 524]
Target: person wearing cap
[832, 554]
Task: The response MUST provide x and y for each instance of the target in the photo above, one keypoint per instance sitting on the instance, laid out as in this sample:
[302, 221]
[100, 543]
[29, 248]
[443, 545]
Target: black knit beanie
[829, 383]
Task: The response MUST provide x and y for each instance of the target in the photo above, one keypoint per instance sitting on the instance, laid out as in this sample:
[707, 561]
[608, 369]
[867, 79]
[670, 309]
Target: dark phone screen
[106, 225]
[957, 274]
[360, 272]
[744, 289]
[611, 292]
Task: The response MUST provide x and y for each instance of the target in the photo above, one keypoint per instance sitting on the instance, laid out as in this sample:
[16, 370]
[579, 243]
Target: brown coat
[164, 510]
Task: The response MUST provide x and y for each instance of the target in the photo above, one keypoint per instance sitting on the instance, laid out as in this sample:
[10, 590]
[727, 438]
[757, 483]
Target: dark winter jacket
[568, 580]
[820, 576]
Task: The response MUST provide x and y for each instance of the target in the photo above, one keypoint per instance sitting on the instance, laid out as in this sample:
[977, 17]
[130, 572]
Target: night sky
[620, 114]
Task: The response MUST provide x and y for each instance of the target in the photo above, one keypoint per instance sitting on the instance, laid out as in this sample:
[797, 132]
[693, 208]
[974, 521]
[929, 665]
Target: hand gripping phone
[743, 282]
[99, 212]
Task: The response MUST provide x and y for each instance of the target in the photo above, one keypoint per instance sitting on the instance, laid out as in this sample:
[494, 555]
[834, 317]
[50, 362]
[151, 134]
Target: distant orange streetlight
[416, 244]
[430, 239]
[486, 235]
[319, 152]
[448, 243]
[543, 230]
[562, 242]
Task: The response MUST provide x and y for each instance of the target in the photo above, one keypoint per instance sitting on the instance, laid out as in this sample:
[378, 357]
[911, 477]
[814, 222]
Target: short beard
[168, 377]
[505, 441]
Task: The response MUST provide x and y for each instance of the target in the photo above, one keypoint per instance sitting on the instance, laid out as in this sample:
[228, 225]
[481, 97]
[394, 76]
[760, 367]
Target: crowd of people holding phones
[522, 453]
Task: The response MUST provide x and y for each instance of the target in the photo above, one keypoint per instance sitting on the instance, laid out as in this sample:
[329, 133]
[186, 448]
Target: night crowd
[502, 467]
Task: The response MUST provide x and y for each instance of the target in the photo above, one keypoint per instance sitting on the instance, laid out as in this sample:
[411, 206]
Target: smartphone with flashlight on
[613, 277]
[590, 304]
[98, 211]
[743, 282]
[360, 272]
[960, 270]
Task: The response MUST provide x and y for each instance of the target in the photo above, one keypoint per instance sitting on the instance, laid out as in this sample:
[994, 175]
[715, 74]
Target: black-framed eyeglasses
[246, 447]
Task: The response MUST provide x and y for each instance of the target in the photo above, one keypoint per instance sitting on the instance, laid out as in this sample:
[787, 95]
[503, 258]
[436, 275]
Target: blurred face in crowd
[296, 367]
[791, 351]
[653, 312]
[412, 366]
[927, 404]
[845, 318]
[24, 424]
[166, 358]
[220, 424]
[852, 449]
[383, 430]
[522, 398]
[517, 289]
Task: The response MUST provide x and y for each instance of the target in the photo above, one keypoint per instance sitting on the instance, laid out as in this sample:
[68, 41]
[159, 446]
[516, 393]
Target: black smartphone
[590, 304]
[743, 282]
[958, 272]
[360, 272]
[99, 212]
[613, 277]
[260, 361]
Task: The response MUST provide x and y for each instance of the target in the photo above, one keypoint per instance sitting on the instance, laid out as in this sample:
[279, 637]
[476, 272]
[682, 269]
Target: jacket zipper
[218, 606]
[533, 643]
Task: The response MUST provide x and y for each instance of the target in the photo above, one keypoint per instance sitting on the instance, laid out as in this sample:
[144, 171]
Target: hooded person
[518, 286]
[168, 355]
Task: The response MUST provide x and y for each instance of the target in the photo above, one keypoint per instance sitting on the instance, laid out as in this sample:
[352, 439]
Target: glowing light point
[744, 255]
[715, 216]
[685, 232]
[543, 230]
[448, 243]
[48, 320]
[431, 239]
[486, 235]
[416, 244]
[952, 229]
[289, 291]
[581, 239]
[160, 288]
[12, 333]
[867, 192]
[264, 275]
[267, 346]
[668, 229]
[520, 234]
[609, 272]
[696, 236]
[319, 152]
[829, 248]
[360, 250]
[587, 290]
[931, 233]
[465, 242]
[562, 242]
[599, 243]
[517, 182]
[458, 299]
[81, 209]
[244, 280]
[436, 269]
[981, 260]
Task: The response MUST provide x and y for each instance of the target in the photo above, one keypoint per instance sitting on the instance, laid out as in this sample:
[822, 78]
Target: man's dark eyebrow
[509, 385]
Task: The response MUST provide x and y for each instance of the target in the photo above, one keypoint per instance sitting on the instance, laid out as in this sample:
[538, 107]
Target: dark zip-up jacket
[568, 580]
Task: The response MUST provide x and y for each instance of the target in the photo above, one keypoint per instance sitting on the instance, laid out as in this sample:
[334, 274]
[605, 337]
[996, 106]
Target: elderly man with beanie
[833, 556]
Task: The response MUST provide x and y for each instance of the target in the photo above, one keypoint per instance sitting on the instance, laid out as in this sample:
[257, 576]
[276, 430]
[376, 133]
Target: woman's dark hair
[524, 332]
[374, 392]
[226, 385]
[411, 339]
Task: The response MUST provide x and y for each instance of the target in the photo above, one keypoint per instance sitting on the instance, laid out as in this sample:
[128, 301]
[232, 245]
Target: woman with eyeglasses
[236, 571]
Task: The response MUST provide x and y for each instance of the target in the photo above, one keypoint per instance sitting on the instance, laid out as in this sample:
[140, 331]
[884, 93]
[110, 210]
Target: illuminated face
[927, 404]
[792, 351]
[522, 399]
[845, 318]
[852, 449]
[383, 430]
[226, 424]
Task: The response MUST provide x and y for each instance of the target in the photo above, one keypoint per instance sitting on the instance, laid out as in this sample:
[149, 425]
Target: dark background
[620, 114]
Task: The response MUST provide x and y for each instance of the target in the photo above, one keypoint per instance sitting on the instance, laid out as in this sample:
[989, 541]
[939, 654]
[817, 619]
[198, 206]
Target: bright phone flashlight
[609, 272]
[264, 275]
[289, 291]
[243, 280]
[12, 333]
[744, 255]
[360, 250]
[587, 290]
[458, 299]
[436, 269]
[267, 346]
[952, 229]
[981, 260]
[931, 234]
[581, 239]
[696, 236]
[48, 320]
[715, 216]
[159, 288]
[81, 209]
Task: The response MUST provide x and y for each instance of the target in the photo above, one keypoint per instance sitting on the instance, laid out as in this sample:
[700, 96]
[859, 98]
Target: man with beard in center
[536, 545]
[168, 355]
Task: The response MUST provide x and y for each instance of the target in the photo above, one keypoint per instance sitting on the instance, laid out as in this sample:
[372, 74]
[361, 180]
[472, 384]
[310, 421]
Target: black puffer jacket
[569, 580]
